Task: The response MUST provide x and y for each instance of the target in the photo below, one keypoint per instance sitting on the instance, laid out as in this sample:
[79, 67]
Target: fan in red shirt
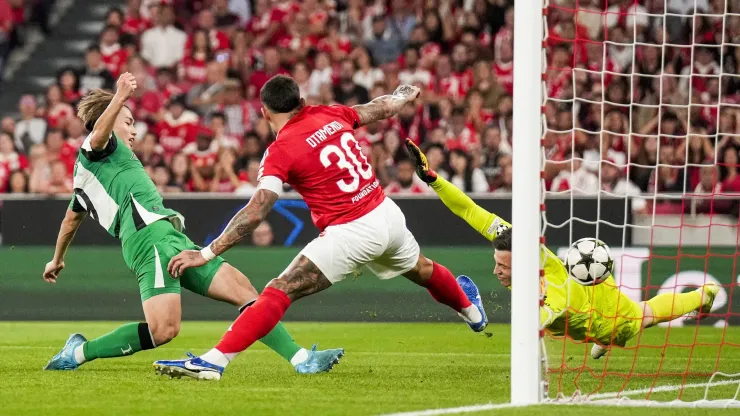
[503, 67]
[271, 68]
[259, 24]
[58, 148]
[218, 40]
[460, 134]
[177, 128]
[192, 68]
[58, 112]
[133, 22]
[317, 154]
[10, 160]
[114, 55]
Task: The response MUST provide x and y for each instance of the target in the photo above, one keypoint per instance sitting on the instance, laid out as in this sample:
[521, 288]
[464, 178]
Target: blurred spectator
[69, 81]
[148, 150]
[57, 148]
[224, 18]
[225, 178]
[177, 128]
[263, 236]
[164, 44]
[464, 175]
[436, 158]
[95, 74]
[18, 182]
[366, 75]
[406, 182]
[506, 181]
[10, 160]
[114, 56]
[710, 185]
[6, 31]
[322, 74]
[180, 178]
[347, 92]
[60, 181]
[58, 112]
[240, 115]
[576, 178]
[30, 129]
[192, 69]
[204, 96]
[270, 68]
[39, 169]
[249, 187]
[384, 43]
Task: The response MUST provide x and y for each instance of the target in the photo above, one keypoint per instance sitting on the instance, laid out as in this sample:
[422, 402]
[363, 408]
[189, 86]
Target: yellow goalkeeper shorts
[616, 318]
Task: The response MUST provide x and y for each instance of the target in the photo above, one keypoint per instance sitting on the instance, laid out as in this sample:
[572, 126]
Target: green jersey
[113, 187]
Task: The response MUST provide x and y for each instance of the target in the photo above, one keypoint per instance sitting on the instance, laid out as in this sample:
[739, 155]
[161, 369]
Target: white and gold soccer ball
[589, 261]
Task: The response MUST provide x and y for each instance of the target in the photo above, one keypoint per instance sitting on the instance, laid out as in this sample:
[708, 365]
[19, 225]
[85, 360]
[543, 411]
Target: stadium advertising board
[97, 285]
[36, 222]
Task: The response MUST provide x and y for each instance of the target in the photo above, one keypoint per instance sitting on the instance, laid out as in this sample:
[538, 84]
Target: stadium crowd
[639, 92]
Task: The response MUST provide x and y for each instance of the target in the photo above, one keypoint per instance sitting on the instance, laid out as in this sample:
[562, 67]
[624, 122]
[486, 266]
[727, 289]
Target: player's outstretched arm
[243, 224]
[486, 223]
[386, 106]
[67, 231]
[103, 127]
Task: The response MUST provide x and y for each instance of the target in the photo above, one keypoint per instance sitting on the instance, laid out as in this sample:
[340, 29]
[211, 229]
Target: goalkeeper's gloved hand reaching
[420, 161]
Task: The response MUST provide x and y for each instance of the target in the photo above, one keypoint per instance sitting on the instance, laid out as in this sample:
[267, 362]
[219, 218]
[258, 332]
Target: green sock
[280, 341]
[124, 340]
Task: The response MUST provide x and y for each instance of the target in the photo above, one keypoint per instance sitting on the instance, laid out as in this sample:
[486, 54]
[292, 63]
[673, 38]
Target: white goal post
[526, 379]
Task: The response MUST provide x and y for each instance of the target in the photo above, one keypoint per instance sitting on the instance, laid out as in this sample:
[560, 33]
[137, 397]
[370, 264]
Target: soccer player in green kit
[111, 185]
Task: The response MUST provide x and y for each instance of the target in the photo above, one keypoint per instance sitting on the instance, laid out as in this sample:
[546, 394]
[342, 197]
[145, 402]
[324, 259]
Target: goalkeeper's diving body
[111, 185]
[600, 313]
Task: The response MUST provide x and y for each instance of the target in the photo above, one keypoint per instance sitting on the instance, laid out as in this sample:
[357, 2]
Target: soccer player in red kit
[316, 153]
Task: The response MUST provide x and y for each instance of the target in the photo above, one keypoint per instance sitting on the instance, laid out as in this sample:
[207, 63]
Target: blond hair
[92, 106]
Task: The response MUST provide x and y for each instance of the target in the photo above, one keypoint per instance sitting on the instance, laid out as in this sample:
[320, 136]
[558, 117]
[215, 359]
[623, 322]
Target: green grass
[387, 368]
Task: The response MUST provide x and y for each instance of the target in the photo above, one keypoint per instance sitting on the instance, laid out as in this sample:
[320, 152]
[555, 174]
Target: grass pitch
[387, 368]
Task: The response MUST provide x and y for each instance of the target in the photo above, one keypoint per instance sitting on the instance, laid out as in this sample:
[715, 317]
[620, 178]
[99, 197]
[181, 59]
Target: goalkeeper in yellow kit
[600, 313]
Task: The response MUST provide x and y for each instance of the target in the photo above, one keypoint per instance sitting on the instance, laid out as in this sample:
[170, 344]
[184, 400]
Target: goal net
[641, 136]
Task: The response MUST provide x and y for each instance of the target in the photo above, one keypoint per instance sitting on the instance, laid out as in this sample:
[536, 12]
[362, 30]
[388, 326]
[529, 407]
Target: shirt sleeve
[487, 224]
[275, 162]
[349, 114]
[75, 206]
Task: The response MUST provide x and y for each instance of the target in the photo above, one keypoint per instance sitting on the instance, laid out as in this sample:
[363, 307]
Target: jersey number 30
[347, 159]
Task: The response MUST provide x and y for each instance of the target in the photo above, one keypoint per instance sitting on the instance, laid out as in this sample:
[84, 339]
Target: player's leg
[402, 256]
[327, 259]
[669, 306]
[226, 283]
[160, 296]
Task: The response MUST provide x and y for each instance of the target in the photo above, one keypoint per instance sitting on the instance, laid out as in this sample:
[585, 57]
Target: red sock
[255, 322]
[444, 288]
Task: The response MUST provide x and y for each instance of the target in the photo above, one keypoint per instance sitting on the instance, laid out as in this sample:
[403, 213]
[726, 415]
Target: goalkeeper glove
[420, 162]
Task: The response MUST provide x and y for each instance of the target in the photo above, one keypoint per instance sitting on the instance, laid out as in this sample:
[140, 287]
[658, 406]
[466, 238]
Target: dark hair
[280, 94]
[93, 48]
[502, 241]
[458, 111]
[209, 51]
[468, 174]
[218, 114]
[25, 178]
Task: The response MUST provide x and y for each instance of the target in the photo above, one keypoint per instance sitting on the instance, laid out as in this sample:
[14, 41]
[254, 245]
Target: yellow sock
[669, 306]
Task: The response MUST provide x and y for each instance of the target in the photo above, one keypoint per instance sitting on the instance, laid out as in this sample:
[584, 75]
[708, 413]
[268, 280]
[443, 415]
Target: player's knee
[165, 332]
[422, 271]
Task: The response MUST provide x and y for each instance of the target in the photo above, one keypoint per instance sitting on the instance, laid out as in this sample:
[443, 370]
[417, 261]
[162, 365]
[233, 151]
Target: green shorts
[148, 252]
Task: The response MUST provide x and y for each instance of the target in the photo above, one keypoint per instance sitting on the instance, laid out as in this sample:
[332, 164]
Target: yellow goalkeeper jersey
[600, 312]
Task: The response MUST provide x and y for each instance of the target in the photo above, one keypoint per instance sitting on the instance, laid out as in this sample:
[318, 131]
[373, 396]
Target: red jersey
[60, 112]
[114, 58]
[135, 25]
[193, 69]
[317, 154]
[505, 75]
[175, 134]
[218, 39]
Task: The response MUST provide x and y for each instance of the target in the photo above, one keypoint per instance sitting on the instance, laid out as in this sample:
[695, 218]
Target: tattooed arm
[243, 224]
[245, 221]
[386, 106]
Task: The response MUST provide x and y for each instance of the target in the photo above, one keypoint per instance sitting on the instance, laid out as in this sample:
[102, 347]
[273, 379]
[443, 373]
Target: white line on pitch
[660, 389]
[452, 410]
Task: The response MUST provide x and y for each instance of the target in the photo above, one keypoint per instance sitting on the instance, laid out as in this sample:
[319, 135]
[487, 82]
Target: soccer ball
[589, 261]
